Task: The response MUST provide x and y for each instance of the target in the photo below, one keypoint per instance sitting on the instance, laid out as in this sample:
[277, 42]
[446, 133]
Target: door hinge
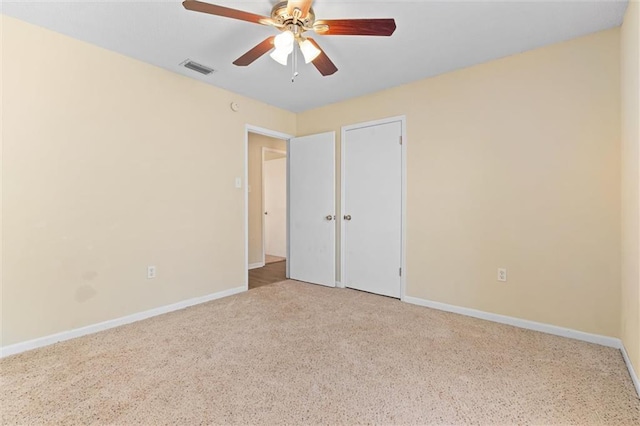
[400, 139]
[400, 271]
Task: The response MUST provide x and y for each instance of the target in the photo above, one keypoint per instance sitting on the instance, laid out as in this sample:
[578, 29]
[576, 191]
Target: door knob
[347, 217]
[329, 217]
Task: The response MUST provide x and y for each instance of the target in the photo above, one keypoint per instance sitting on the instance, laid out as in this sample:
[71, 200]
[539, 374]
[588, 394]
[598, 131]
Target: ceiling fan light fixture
[284, 41]
[309, 50]
[284, 46]
[280, 56]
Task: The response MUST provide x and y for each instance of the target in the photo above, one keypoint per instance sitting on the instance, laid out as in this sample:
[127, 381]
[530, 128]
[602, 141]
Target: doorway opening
[266, 188]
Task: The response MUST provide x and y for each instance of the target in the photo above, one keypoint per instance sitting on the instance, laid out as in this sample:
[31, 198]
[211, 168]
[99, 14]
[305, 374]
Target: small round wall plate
[235, 107]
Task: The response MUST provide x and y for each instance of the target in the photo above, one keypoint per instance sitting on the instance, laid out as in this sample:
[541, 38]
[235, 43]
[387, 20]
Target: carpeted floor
[303, 354]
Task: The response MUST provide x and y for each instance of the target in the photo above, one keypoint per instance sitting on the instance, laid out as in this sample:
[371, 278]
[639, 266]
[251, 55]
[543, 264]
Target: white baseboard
[611, 342]
[339, 284]
[632, 373]
[256, 265]
[94, 328]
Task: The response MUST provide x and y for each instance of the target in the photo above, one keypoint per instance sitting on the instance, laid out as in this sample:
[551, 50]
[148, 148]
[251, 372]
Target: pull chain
[294, 65]
[294, 57]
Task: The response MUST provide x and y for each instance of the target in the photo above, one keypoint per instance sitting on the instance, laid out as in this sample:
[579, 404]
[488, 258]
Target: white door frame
[403, 121]
[264, 244]
[248, 128]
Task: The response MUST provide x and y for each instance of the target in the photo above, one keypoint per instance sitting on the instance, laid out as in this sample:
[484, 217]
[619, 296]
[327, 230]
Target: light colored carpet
[303, 354]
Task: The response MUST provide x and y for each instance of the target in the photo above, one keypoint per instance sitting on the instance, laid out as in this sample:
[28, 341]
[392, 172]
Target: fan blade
[198, 6]
[253, 54]
[322, 62]
[367, 27]
[303, 5]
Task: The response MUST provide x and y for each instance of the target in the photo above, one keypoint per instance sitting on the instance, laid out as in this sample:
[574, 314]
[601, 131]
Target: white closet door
[312, 208]
[372, 209]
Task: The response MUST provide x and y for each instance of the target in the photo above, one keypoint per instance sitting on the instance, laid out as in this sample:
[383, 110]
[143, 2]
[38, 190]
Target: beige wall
[110, 165]
[256, 143]
[513, 163]
[630, 35]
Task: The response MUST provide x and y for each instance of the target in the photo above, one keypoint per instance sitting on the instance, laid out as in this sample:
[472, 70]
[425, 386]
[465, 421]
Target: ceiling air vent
[197, 67]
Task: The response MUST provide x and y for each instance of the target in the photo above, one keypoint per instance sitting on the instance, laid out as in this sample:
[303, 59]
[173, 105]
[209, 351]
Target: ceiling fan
[293, 18]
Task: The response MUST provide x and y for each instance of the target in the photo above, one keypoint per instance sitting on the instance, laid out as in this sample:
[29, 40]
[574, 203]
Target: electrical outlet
[502, 274]
[151, 272]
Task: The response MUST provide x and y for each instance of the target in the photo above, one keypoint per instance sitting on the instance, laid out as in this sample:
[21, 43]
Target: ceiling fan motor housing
[280, 15]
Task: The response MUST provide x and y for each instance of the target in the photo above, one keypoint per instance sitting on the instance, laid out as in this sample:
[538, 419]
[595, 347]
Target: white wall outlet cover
[238, 182]
[151, 272]
[502, 274]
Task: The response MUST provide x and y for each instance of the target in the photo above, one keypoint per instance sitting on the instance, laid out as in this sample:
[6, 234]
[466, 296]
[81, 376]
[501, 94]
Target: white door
[372, 208]
[275, 206]
[312, 209]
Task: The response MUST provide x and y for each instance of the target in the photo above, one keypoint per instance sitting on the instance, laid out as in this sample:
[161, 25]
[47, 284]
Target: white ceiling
[432, 37]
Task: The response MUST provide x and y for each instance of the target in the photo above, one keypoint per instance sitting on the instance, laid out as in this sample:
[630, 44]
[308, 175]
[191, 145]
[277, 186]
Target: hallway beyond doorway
[272, 272]
[268, 258]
